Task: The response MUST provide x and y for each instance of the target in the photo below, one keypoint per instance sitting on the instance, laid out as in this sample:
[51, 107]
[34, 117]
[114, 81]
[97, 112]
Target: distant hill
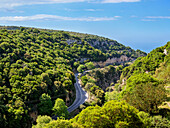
[108, 46]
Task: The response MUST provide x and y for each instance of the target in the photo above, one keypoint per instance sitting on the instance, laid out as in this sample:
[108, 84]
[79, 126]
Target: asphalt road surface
[81, 95]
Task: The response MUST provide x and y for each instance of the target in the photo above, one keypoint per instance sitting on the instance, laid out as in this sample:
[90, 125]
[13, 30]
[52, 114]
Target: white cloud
[153, 18]
[119, 1]
[158, 17]
[70, 10]
[90, 10]
[133, 16]
[93, 10]
[55, 17]
[13, 3]
[147, 20]
[117, 16]
[10, 10]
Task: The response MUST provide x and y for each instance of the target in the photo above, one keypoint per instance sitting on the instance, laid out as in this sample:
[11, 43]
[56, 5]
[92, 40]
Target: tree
[90, 65]
[114, 95]
[81, 68]
[122, 124]
[121, 111]
[84, 80]
[42, 121]
[59, 123]
[17, 114]
[46, 79]
[144, 92]
[94, 88]
[68, 84]
[112, 114]
[45, 105]
[60, 109]
[159, 122]
[92, 117]
[76, 64]
[89, 85]
[146, 97]
[3, 110]
[141, 78]
[145, 118]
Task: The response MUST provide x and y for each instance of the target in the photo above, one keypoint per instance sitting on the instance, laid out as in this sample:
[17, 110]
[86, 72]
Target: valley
[80, 80]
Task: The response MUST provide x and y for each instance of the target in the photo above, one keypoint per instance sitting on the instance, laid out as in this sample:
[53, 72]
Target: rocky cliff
[113, 60]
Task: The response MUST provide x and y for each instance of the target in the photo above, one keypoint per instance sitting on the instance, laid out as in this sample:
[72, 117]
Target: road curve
[81, 95]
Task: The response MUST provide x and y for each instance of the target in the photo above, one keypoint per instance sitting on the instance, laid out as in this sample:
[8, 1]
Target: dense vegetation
[98, 80]
[144, 92]
[148, 77]
[155, 60]
[108, 46]
[112, 114]
[32, 62]
[36, 75]
[36, 67]
[145, 84]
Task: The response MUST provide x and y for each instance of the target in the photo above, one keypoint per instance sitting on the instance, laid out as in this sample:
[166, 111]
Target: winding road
[81, 95]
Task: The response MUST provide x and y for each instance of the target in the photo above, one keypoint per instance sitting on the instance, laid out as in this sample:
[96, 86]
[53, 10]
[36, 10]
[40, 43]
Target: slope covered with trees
[97, 81]
[36, 68]
[154, 63]
[145, 84]
[135, 100]
[111, 47]
[31, 64]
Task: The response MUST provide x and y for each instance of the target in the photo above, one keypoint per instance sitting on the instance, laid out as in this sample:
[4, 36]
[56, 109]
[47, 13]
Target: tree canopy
[60, 109]
[45, 104]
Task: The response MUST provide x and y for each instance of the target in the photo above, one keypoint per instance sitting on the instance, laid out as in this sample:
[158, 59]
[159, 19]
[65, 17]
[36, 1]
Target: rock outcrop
[113, 60]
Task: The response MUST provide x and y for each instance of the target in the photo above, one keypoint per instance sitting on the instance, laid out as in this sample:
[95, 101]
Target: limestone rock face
[70, 41]
[113, 60]
[165, 52]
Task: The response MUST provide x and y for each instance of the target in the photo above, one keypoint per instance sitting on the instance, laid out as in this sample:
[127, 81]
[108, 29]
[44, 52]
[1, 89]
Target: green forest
[37, 68]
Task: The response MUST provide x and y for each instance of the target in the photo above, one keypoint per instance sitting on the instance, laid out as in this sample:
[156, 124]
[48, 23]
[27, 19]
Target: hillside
[154, 63]
[99, 80]
[36, 65]
[135, 105]
[110, 47]
[147, 73]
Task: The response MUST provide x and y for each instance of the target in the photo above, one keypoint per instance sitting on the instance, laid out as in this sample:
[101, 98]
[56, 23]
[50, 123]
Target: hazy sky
[140, 24]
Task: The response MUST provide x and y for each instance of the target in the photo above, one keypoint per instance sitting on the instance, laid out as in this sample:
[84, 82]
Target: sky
[140, 24]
